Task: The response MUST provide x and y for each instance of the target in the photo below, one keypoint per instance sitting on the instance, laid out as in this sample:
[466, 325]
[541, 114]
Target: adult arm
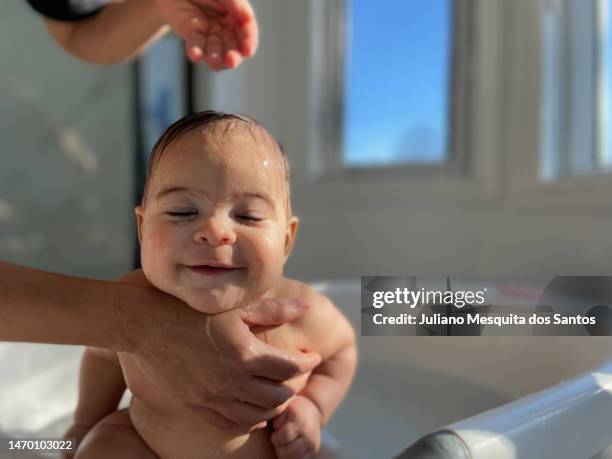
[42, 307]
[237, 380]
[117, 33]
[220, 33]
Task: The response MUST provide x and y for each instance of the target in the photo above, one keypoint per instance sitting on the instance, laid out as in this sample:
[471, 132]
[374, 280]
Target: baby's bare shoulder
[317, 302]
[323, 325]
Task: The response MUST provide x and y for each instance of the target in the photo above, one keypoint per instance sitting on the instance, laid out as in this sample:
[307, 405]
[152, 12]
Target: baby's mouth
[214, 270]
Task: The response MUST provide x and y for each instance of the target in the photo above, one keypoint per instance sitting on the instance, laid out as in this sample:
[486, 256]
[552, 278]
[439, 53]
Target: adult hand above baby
[215, 364]
[218, 32]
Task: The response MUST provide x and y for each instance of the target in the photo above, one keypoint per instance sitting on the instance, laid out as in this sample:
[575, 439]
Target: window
[605, 78]
[162, 88]
[163, 95]
[396, 83]
[576, 89]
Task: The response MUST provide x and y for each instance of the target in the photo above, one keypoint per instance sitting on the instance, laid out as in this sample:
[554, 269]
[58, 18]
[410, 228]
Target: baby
[215, 228]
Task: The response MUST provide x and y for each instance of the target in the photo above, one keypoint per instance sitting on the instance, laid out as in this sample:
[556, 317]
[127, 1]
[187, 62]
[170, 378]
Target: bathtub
[405, 387]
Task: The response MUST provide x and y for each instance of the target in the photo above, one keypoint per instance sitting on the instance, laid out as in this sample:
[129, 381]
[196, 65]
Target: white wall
[497, 220]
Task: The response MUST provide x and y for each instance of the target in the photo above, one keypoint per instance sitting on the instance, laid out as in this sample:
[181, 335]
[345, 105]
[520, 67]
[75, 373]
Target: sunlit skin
[212, 228]
[216, 229]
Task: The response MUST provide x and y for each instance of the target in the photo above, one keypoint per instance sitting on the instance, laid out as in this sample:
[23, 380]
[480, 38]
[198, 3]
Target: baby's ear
[292, 226]
[139, 213]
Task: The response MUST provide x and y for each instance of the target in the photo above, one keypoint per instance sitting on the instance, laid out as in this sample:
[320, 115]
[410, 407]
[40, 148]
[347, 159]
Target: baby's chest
[141, 383]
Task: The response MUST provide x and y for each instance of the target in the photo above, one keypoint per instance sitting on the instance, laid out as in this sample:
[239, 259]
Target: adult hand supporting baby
[214, 363]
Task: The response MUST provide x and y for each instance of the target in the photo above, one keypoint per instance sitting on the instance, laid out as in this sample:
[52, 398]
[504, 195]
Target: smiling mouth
[213, 270]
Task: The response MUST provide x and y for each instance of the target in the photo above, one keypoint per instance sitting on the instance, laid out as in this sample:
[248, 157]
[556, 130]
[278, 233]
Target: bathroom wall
[66, 154]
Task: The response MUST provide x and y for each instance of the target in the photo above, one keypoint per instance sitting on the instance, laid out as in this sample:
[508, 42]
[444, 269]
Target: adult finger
[273, 311]
[195, 46]
[231, 56]
[246, 26]
[245, 414]
[298, 383]
[267, 394]
[248, 38]
[280, 365]
[214, 49]
[241, 10]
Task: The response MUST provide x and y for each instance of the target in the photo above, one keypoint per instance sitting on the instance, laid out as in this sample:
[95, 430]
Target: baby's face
[214, 230]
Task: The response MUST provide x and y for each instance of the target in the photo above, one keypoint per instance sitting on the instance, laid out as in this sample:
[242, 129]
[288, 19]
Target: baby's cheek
[156, 241]
[155, 251]
[272, 255]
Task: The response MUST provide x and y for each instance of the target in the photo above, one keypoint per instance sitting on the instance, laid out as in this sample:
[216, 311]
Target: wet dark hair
[214, 123]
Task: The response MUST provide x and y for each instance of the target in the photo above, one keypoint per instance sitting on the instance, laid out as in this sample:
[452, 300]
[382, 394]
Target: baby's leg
[114, 436]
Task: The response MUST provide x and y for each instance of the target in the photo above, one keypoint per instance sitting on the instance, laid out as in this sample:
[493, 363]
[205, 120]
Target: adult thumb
[273, 311]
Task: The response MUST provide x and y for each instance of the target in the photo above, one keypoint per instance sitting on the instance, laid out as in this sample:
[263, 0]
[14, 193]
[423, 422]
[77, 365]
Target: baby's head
[215, 224]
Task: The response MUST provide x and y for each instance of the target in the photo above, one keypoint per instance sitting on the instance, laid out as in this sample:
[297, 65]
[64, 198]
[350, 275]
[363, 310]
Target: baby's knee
[114, 437]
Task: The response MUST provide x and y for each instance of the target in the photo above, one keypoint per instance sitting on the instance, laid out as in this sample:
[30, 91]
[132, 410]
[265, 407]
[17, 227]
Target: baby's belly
[186, 435]
[177, 432]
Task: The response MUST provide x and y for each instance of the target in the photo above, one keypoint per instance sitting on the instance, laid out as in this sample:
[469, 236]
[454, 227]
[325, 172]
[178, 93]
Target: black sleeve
[68, 10]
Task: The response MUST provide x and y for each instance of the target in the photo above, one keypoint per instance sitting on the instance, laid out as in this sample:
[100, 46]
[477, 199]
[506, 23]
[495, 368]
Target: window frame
[470, 177]
[527, 189]
[334, 63]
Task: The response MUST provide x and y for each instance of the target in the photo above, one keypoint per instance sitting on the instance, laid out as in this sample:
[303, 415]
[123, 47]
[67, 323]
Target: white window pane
[605, 157]
[575, 89]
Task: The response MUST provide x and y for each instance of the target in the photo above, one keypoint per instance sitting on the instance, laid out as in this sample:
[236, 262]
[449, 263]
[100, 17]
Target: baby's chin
[213, 301]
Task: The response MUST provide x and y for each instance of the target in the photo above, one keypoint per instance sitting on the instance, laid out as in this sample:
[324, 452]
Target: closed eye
[185, 214]
[249, 218]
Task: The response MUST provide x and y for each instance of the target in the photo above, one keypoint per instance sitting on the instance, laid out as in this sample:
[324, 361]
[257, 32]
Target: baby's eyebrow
[237, 196]
[169, 190]
[254, 195]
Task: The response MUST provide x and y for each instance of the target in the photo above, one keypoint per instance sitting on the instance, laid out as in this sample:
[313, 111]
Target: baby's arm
[297, 429]
[101, 386]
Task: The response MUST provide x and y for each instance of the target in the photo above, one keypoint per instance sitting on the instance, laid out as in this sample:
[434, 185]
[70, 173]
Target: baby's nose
[215, 231]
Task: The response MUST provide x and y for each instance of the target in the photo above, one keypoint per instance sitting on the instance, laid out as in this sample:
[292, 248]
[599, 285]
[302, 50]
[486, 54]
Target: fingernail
[197, 51]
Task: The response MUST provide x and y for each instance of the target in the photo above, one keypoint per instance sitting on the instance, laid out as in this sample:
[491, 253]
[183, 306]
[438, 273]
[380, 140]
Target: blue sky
[396, 86]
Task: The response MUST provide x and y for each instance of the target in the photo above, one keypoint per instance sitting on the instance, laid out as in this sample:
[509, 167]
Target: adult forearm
[42, 307]
[119, 32]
